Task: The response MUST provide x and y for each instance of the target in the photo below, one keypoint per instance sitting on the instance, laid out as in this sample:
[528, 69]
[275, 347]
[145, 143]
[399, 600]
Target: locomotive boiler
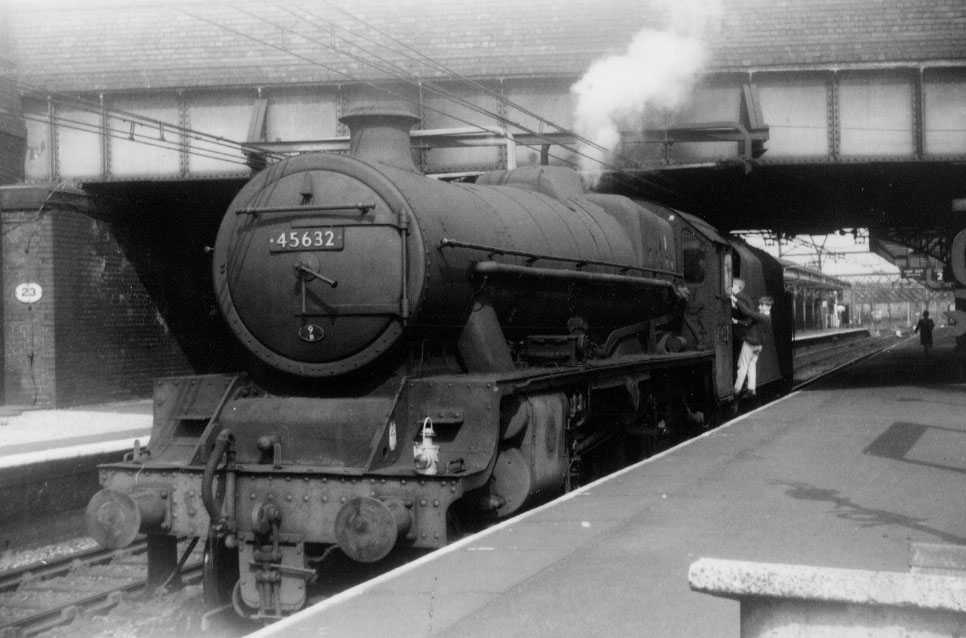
[424, 355]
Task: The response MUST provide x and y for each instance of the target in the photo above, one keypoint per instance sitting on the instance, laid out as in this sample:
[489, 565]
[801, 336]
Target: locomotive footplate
[316, 506]
[366, 516]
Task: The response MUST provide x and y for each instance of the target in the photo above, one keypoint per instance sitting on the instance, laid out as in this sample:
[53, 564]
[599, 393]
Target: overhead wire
[96, 128]
[92, 106]
[98, 107]
[420, 56]
[399, 72]
[416, 54]
[404, 75]
[341, 73]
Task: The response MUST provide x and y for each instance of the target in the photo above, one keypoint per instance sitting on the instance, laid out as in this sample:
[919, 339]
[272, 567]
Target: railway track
[814, 350]
[38, 597]
[816, 360]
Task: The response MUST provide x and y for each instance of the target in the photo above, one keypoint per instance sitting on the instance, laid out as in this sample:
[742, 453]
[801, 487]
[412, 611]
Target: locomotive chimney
[380, 133]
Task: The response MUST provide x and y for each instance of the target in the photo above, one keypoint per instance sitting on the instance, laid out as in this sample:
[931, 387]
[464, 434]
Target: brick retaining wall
[96, 333]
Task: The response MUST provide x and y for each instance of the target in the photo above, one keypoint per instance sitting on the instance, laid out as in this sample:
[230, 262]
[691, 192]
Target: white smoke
[658, 70]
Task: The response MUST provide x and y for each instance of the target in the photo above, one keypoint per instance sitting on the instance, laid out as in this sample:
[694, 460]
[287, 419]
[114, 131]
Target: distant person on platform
[924, 328]
[757, 327]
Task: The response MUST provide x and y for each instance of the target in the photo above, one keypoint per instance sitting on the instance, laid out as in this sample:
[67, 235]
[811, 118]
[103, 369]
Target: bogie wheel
[220, 573]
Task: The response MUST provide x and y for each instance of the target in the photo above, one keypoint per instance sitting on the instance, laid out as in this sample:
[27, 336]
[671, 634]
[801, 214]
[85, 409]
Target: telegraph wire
[336, 71]
[389, 68]
[420, 83]
[399, 72]
[87, 127]
[622, 174]
[98, 108]
[94, 128]
[416, 54]
[350, 77]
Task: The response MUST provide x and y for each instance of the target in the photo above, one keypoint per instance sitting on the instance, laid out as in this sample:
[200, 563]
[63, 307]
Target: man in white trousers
[757, 326]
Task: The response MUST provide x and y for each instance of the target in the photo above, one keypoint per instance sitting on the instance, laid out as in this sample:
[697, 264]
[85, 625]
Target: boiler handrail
[531, 257]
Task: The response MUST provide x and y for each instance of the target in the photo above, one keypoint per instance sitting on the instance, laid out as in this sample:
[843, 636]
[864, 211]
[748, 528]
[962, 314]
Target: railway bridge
[126, 128]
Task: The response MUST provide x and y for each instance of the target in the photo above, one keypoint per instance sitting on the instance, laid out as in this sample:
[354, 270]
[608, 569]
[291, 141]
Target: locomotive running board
[637, 363]
[535, 379]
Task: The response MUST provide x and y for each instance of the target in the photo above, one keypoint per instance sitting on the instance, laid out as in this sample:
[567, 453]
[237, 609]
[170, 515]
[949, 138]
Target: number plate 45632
[307, 239]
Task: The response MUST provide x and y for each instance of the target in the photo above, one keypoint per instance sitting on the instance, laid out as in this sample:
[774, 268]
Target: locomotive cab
[706, 261]
[763, 276]
[710, 262]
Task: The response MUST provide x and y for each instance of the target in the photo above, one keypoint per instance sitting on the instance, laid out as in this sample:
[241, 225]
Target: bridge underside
[910, 202]
[198, 203]
[906, 202]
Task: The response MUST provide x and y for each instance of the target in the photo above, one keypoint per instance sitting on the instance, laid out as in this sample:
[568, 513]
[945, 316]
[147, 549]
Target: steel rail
[66, 576]
[12, 578]
[814, 353]
[867, 347]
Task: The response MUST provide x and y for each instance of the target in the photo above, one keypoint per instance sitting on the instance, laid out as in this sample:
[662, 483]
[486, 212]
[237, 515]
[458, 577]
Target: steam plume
[657, 70]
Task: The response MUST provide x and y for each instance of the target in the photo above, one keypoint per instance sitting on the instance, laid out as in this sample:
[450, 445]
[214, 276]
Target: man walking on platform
[924, 328]
[757, 325]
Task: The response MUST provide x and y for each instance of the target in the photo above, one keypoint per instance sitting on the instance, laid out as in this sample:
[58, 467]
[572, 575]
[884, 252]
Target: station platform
[813, 336]
[48, 465]
[844, 473]
[28, 435]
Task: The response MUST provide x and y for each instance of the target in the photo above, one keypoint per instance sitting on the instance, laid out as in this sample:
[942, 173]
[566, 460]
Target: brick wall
[163, 229]
[12, 149]
[28, 329]
[96, 334]
[106, 321]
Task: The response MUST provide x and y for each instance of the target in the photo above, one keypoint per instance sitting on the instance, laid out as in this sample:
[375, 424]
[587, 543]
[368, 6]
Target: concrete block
[937, 558]
[783, 601]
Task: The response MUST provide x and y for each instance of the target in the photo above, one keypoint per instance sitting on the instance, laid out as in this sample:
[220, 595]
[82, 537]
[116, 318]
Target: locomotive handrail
[446, 242]
[362, 207]
[547, 377]
[488, 268]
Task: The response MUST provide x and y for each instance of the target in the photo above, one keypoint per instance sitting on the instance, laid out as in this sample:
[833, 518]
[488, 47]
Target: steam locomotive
[425, 354]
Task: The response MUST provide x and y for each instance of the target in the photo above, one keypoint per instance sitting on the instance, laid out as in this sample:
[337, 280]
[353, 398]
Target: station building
[819, 301]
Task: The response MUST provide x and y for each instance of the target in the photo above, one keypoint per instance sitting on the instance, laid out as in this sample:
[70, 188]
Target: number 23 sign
[28, 292]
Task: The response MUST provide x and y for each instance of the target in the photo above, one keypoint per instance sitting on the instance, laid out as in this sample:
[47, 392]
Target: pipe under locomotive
[437, 352]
